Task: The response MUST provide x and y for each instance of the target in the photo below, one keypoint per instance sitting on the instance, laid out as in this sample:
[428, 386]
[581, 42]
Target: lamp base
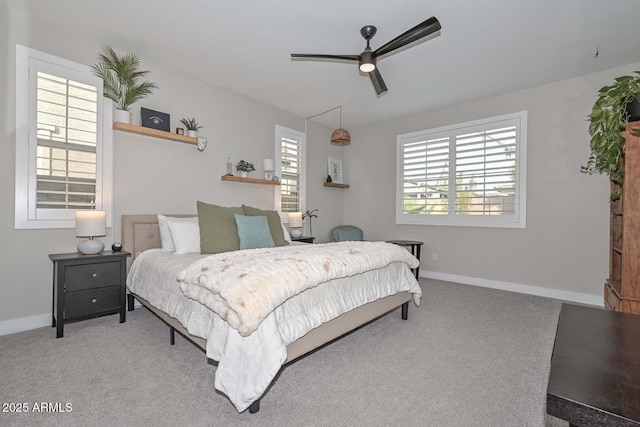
[90, 247]
[268, 175]
[295, 232]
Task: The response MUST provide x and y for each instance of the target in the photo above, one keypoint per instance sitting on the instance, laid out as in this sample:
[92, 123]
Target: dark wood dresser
[622, 287]
[595, 368]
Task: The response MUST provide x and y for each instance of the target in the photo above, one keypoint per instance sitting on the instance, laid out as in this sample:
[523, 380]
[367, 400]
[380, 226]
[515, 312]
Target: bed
[141, 237]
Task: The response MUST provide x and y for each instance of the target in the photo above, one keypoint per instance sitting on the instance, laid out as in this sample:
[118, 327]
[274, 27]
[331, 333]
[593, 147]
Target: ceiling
[485, 47]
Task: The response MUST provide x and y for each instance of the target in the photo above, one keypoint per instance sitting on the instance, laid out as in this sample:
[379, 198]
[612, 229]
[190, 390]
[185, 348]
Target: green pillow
[275, 225]
[253, 232]
[218, 230]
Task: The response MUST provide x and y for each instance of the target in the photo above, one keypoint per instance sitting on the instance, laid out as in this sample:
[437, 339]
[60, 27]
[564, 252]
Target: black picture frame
[155, 119]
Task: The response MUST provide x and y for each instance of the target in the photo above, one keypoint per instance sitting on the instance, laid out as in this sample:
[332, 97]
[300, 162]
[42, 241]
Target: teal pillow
[275, 225]
[253, 232]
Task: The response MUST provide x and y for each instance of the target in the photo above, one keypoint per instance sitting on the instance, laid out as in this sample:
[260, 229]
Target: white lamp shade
[91, 223]
[295, 219]
[268, 165]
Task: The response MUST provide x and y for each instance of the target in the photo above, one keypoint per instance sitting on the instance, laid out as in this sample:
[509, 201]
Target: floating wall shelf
[248, 180]
[335, 185]
[126, 127]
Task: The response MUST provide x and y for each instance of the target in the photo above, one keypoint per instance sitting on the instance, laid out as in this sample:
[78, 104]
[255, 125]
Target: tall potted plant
[614, 108]
[122, 81]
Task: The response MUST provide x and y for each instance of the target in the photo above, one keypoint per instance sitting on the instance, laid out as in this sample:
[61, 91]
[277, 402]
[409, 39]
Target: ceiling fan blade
[421, 30]
[322, 56]
[378, 83]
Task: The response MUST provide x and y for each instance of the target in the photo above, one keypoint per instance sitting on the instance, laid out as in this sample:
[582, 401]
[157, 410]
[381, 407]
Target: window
[470, 174]
[63, 141]
[291, 168]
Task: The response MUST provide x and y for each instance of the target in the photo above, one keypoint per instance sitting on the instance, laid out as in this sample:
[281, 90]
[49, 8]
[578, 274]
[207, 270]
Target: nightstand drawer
[84, 303]
[89, 276]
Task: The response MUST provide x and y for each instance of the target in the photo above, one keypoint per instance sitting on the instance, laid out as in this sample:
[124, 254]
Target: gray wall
[151, 175]
[565, 244]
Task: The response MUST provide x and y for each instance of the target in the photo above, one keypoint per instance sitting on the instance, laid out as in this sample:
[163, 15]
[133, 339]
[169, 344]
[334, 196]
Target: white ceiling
[486, 47]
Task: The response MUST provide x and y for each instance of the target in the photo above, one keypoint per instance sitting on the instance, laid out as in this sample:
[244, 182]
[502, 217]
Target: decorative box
[155, 119]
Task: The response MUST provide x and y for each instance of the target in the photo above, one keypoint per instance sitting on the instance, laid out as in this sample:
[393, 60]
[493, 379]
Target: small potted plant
[613, 109]
[244, 168]
[122, 81]
[191, 125]
[310, 215]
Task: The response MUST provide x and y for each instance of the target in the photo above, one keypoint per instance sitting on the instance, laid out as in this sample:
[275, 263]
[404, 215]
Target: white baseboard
[577, 297]
[24, 324]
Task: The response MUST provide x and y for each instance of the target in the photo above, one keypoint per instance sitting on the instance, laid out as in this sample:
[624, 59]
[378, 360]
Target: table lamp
[268, 167]
[295, 223]
[91, 224]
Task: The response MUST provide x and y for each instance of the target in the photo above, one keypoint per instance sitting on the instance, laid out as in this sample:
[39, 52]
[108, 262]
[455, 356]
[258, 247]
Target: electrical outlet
[434, 257]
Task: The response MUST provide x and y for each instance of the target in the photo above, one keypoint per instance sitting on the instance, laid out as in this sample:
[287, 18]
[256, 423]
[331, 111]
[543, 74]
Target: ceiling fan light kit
[367, 60]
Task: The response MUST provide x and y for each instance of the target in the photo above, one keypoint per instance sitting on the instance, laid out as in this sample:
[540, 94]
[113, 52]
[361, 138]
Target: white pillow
[287, 236]
[185, 235]
[165, 234]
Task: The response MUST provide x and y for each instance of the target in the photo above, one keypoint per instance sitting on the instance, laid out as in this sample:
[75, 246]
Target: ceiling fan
[367, 60]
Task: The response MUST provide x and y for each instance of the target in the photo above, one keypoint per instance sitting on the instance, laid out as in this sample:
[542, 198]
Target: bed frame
[141, 232]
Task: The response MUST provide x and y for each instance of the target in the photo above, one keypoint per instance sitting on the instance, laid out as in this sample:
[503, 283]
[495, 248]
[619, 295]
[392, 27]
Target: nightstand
[303, 239]
[414, 247]
[87, 286]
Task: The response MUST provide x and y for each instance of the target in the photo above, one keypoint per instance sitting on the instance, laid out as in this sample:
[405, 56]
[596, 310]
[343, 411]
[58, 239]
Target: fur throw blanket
[243, 287]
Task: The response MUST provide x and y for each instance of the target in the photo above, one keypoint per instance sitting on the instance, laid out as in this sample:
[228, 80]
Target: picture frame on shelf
[334, 168]
[154, 119]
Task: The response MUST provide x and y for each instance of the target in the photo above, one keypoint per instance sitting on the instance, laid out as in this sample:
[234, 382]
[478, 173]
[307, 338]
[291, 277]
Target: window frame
[28, 63]
[280, 132]
[517, 220]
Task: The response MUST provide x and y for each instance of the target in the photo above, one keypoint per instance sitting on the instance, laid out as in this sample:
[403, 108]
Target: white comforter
[248, 364]
[243, 287]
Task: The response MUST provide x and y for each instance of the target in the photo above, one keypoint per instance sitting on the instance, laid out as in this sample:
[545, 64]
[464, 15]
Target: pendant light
[340, 136]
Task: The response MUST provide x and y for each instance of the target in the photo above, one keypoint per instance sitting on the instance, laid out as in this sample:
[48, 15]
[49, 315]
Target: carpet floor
[468, 356]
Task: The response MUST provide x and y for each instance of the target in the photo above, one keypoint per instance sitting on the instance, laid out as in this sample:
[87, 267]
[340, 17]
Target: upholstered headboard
[141, 232]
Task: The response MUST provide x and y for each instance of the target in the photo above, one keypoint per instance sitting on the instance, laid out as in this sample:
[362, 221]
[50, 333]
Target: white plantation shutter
[471, 174]
[290, 182]
[485, 172]
[66, 123]
[426, 177]
[290, 167]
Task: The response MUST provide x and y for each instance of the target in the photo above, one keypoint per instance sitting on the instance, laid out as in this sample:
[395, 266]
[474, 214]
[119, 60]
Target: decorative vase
[244, 174]
[122, 116]
[192, 133]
